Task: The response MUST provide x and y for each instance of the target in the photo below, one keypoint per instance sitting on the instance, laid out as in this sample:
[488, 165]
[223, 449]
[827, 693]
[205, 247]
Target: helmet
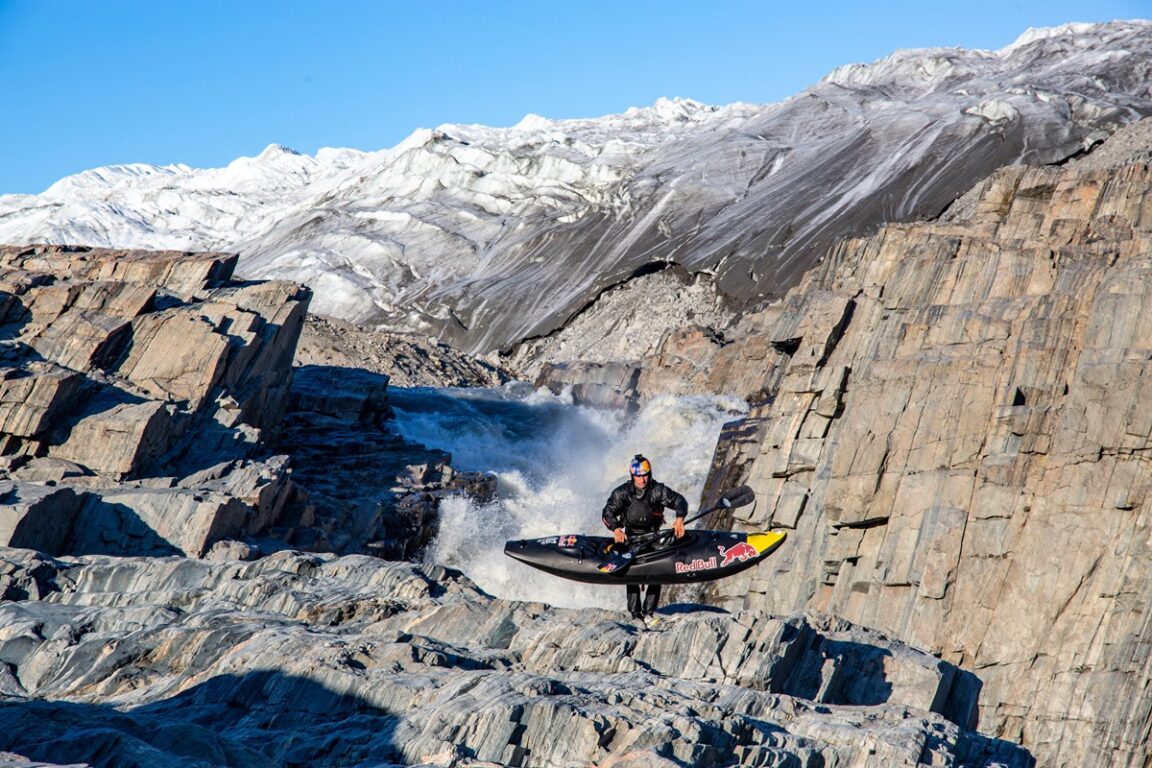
[640, 466]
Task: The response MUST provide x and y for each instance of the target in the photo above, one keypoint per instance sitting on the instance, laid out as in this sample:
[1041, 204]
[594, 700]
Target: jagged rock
[120, 439]
[144, 382]
[34, 396]
[408, 360]
[46, 469]
[177, 355]
[631, 322]
[137, 392]
[317, 660]
[223, 342]
[604, 385]
[80, 339]
[412, 521]
[374, 490]
[246, 500]
[38, 516]
[323, 390]
[182, 272]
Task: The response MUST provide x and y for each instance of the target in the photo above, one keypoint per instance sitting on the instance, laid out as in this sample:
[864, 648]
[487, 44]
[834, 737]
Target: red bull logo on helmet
[737, 552]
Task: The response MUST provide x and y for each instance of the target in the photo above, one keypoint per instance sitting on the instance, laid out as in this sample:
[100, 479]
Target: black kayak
[698, 556]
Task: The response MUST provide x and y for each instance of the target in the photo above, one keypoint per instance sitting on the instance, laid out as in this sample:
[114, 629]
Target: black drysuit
[642, 511]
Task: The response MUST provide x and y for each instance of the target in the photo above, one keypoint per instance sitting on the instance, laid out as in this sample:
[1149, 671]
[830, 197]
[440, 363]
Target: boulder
[35, 395]
[38, 517]
[120, 439]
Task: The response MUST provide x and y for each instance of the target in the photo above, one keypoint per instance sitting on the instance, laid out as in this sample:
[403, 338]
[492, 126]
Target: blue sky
[202, 82]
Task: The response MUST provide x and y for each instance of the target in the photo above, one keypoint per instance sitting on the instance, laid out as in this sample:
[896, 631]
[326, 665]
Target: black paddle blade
[618, 562]
[740, 496]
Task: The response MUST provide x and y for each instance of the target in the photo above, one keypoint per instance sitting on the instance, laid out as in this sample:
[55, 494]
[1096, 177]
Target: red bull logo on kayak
[740, 551]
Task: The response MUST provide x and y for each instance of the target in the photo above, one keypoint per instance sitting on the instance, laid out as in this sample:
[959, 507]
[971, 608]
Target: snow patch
[996, 111]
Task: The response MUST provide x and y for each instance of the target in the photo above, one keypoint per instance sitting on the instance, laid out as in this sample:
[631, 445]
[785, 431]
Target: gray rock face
[951, 419]
[630, 322]
[371, 489]
[123, 372]
[407, 360]
[315, 660]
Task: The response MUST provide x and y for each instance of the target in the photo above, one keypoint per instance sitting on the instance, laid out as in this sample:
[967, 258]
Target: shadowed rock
[144, 408]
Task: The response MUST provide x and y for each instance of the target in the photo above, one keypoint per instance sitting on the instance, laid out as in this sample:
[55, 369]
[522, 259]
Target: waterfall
[555, 464]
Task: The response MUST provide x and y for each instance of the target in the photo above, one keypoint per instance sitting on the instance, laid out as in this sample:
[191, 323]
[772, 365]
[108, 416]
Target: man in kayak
[637, 507]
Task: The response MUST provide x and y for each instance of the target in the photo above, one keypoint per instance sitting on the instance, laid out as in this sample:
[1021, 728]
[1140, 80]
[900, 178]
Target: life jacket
[642, 514]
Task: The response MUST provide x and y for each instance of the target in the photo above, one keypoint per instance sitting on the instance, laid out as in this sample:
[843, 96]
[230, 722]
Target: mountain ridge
[484, 237]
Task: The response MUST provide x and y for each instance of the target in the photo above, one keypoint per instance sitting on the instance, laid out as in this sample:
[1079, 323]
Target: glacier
[487, 237]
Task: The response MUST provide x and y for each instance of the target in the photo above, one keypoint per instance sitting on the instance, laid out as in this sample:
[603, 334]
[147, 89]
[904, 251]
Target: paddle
[739, 496]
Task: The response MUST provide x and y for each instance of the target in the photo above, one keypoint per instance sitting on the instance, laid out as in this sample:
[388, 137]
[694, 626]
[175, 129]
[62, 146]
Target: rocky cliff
[951, 420]
[148, 405]
[164, 465]
[134, 392]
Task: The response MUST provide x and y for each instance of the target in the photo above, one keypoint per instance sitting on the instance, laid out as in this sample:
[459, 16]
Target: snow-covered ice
[487, 236]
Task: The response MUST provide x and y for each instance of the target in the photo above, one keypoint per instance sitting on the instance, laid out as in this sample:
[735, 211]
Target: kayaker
[637, 507]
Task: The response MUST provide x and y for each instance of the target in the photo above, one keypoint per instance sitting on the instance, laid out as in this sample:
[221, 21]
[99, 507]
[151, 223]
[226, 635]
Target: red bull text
[699, 564]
